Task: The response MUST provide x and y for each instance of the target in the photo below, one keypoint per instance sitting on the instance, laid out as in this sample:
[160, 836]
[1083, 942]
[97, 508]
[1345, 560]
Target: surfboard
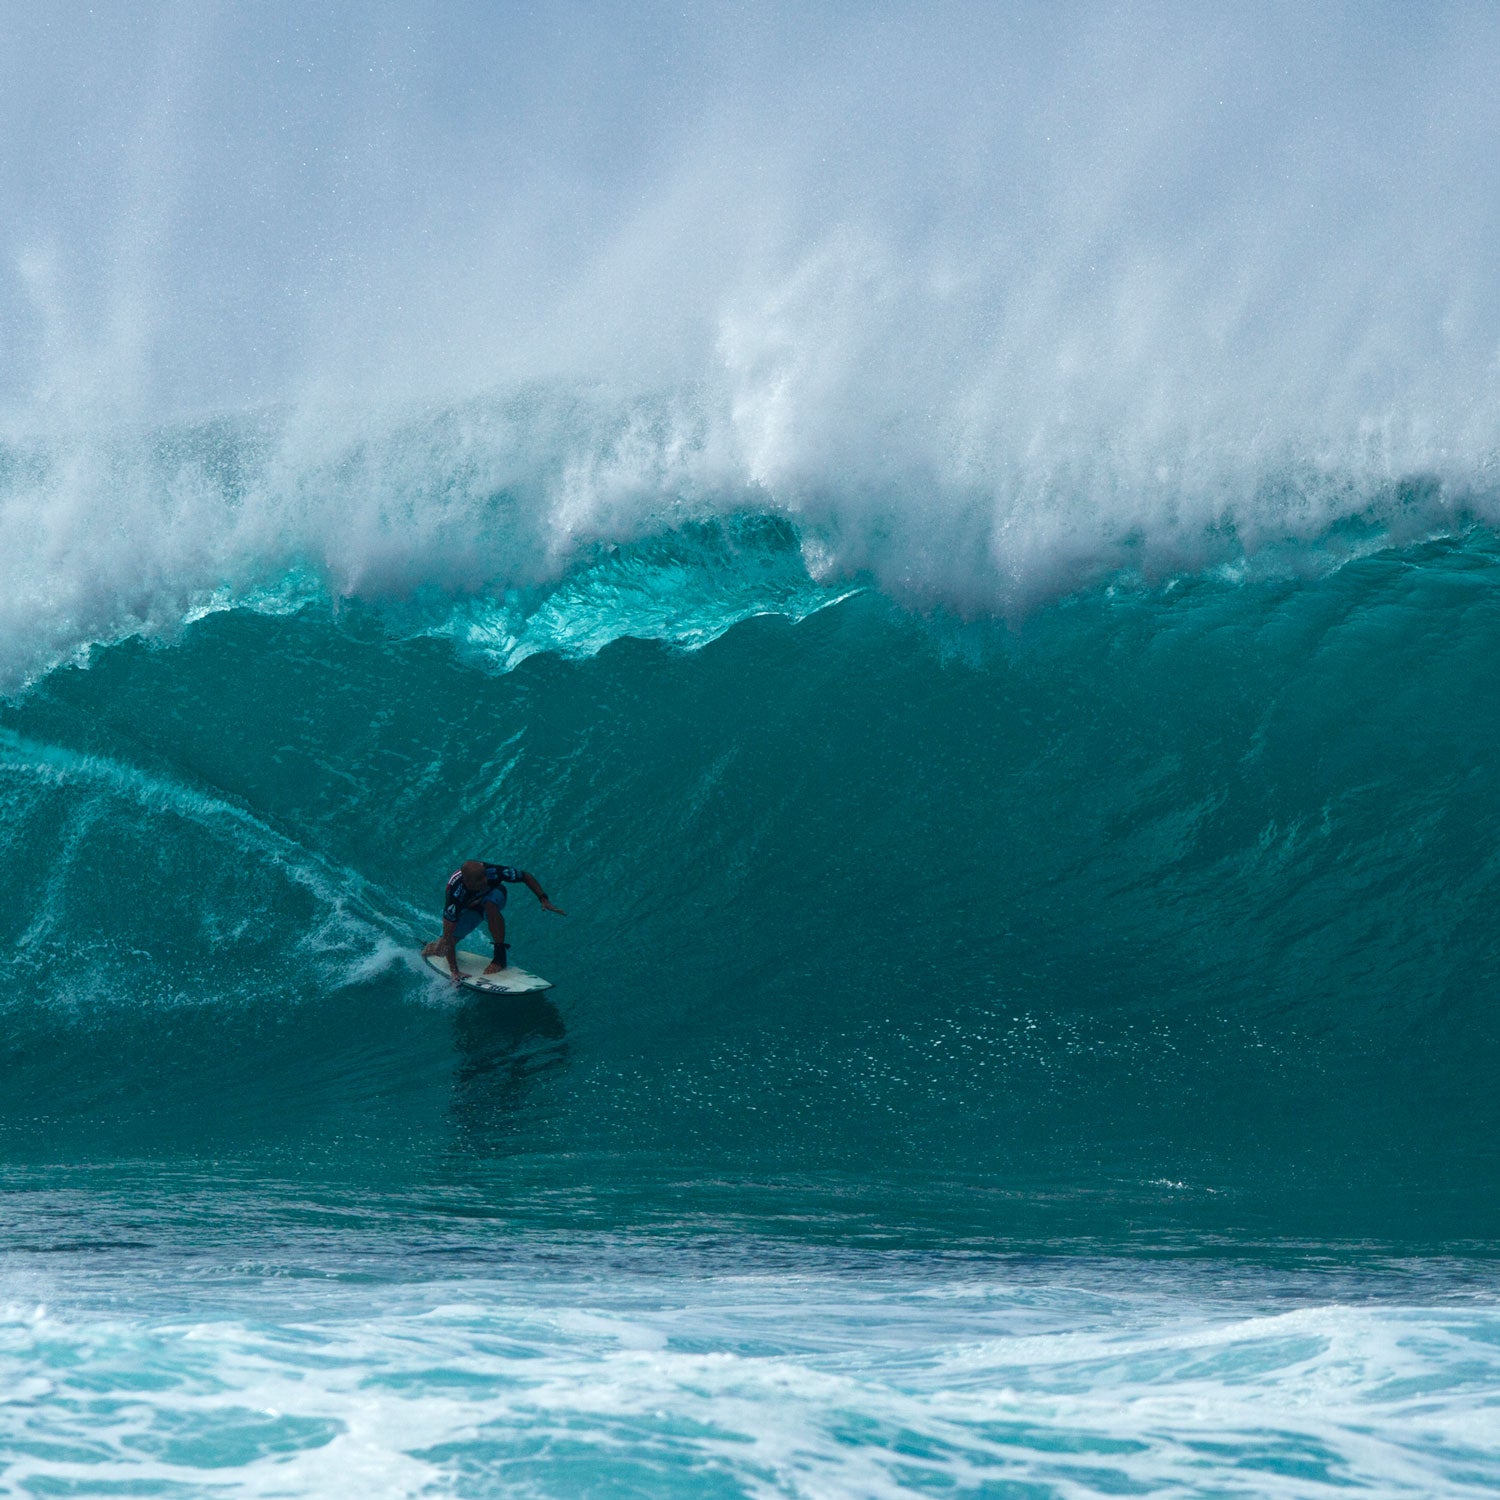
[471, 967]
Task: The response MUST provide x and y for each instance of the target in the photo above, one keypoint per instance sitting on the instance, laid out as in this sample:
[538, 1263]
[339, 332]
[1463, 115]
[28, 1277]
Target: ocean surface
[965, 556]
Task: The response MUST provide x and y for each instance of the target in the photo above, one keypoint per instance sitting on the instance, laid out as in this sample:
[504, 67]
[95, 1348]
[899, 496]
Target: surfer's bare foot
[495, 967]
[433, 947]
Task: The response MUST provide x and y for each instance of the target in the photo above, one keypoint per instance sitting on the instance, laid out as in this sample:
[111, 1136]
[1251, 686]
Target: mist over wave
[962, 545]
[988, 305]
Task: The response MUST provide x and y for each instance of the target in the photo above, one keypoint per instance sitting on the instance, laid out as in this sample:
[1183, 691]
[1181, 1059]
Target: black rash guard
[460, 898]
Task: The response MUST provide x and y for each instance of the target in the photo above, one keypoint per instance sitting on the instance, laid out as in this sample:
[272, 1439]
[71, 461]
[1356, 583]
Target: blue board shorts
[471, 916]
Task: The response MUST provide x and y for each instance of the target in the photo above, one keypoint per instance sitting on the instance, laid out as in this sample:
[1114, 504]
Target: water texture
[961, 545]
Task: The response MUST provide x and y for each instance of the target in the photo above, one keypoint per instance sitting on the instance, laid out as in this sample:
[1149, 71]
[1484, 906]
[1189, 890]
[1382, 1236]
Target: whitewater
[962, 545]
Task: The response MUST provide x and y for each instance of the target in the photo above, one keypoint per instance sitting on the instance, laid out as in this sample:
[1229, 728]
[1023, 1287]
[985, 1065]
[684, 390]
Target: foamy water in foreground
[597, 1367]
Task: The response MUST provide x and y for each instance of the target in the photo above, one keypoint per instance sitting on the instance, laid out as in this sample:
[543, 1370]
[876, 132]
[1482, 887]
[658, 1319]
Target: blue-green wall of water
[1189, 886]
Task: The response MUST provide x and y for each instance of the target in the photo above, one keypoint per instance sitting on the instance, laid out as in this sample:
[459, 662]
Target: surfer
[475, 893]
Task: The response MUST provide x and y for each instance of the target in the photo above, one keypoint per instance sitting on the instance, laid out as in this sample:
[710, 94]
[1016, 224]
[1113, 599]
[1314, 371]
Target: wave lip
[560, 516]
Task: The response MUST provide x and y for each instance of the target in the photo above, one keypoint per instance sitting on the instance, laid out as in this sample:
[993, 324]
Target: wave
[1183, 885]
[554, 519]
[963, 547]
[985, 312]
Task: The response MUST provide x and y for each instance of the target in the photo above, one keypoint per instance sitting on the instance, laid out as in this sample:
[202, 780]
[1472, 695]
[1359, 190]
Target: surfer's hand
[548, 906]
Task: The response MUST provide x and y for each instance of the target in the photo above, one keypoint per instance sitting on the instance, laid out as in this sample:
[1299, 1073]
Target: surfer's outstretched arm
[540, 894]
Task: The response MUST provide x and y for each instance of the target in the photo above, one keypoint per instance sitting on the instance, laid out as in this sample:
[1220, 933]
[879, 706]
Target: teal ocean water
[1170, 897]
[962, 545]
[1049, 1059]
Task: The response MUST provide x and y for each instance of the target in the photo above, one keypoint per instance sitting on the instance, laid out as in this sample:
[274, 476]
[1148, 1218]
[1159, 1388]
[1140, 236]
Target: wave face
[962, 547]
[1175, 900]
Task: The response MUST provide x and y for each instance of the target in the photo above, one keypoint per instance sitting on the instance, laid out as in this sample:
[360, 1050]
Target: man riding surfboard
[475, 893]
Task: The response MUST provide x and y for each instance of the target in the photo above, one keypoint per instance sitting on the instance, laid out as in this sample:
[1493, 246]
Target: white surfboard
[471, 967]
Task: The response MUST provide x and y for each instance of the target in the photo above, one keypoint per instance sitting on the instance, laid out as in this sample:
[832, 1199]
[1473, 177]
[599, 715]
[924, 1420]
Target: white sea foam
[796, 1385]
[988, 305]
[356, 928]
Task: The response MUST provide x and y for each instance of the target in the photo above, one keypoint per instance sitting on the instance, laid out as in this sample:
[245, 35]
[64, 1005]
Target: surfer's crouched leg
[497, 932]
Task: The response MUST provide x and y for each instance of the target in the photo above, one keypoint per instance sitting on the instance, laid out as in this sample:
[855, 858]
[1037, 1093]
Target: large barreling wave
[964, 547]
[1175, 894]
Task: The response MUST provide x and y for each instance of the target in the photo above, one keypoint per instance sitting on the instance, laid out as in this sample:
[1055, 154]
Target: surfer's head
[472, 871]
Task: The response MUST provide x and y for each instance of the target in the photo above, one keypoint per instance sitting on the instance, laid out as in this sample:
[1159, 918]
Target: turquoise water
[1035, 1060]
[962, 545]
[304, 1349]
[1182, 885]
